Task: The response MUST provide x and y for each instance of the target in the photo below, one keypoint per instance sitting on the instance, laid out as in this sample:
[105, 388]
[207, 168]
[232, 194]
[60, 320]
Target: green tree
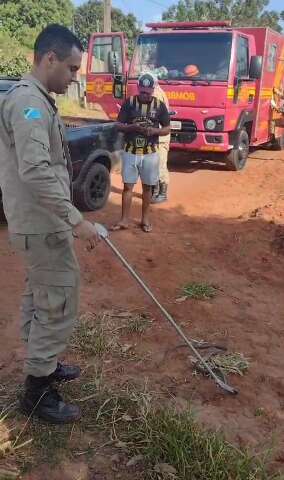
[89, 19]
[24, 19]
[242, 12]
[13, 61]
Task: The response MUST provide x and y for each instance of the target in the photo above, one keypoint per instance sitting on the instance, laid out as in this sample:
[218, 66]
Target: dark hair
[58, 39]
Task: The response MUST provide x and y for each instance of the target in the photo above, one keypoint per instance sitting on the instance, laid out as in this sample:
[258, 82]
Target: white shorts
[145, 166]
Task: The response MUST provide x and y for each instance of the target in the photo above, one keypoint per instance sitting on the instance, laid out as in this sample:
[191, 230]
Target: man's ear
[51, 57]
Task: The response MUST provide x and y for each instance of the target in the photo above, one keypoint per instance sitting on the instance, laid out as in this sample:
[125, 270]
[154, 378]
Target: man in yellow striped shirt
[143, 119]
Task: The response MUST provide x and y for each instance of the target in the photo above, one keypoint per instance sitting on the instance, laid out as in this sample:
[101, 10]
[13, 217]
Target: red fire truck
[225, 85]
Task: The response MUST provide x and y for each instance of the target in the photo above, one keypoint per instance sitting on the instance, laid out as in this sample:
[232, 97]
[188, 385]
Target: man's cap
[147, 80]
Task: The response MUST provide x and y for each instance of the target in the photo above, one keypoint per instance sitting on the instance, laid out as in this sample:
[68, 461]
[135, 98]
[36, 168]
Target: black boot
[65, 373]
[162, 196]
[43, 401]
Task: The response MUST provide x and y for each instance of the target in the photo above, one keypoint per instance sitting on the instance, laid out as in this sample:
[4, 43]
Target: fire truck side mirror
[118, 86]
[255, 67]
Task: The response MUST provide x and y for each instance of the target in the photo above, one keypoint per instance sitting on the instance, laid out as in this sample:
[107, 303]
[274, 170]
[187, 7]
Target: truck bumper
[203, 142]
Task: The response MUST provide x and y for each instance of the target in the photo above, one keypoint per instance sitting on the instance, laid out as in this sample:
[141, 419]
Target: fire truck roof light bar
[188, 25]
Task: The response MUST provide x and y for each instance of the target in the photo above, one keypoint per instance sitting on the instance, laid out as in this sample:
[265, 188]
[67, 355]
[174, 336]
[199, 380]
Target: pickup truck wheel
[237, 158]
[93, 192]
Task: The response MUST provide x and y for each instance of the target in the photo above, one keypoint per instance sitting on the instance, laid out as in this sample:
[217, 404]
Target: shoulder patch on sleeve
[31, 113]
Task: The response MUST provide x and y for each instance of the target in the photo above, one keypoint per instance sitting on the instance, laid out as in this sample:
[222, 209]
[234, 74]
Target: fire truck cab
[225, 85]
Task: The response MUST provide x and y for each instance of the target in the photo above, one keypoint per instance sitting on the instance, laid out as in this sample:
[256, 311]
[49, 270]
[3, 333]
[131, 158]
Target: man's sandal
[146, 227]
[118, 226]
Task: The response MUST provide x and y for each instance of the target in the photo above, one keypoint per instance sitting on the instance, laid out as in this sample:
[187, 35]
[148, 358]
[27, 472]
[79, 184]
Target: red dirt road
[219, 227]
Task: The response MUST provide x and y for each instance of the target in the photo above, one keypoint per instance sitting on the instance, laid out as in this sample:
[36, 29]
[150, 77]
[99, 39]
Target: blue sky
[150, 10]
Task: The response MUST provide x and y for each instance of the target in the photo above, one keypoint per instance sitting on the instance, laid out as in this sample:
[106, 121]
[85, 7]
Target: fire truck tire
[237, 158]
[92, 193]
[278, 143]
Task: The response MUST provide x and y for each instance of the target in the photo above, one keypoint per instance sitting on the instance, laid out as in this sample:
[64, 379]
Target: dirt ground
[218, 227]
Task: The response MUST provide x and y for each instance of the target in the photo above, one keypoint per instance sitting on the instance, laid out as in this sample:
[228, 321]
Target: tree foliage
[24, 19]
[89, 19]
[242, 12]
[13, 61]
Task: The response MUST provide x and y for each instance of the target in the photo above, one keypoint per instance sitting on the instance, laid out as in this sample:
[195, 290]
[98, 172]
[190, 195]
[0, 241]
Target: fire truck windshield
[183, 56]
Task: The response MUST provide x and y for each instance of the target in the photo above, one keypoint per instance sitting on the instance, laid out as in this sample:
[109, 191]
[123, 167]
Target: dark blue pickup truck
[94, 147]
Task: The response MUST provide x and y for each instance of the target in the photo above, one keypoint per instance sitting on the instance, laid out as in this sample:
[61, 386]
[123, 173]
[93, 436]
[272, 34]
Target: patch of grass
[138, 324]
[200, 291]
[51, 444]
[177, 440]
[225, 363]
[260, 412]
[131, 321]
[132, 421]
[166, 443]
[5, 443]
[172, 444]
[230, 363]
[71, 108]
[100, 334]
[90, 336]
[12, 446]
[68, 107]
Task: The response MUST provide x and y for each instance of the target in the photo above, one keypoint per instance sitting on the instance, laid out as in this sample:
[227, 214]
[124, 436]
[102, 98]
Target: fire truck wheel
[237, 157]
[93, 192]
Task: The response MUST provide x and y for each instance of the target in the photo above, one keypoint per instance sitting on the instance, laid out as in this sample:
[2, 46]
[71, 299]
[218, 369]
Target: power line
[155, 2]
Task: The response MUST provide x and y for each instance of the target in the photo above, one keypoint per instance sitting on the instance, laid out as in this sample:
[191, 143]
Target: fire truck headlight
[210, 124]
[214, 124]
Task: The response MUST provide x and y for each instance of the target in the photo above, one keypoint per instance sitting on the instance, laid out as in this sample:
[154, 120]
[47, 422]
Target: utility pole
[107, 16]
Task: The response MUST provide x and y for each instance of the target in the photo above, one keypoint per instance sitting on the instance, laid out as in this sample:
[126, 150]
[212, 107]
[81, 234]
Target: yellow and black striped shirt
[151, 114]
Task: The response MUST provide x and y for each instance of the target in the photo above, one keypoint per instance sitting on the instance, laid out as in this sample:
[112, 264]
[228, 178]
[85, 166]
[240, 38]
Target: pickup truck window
[242, 57]
[105, 50]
